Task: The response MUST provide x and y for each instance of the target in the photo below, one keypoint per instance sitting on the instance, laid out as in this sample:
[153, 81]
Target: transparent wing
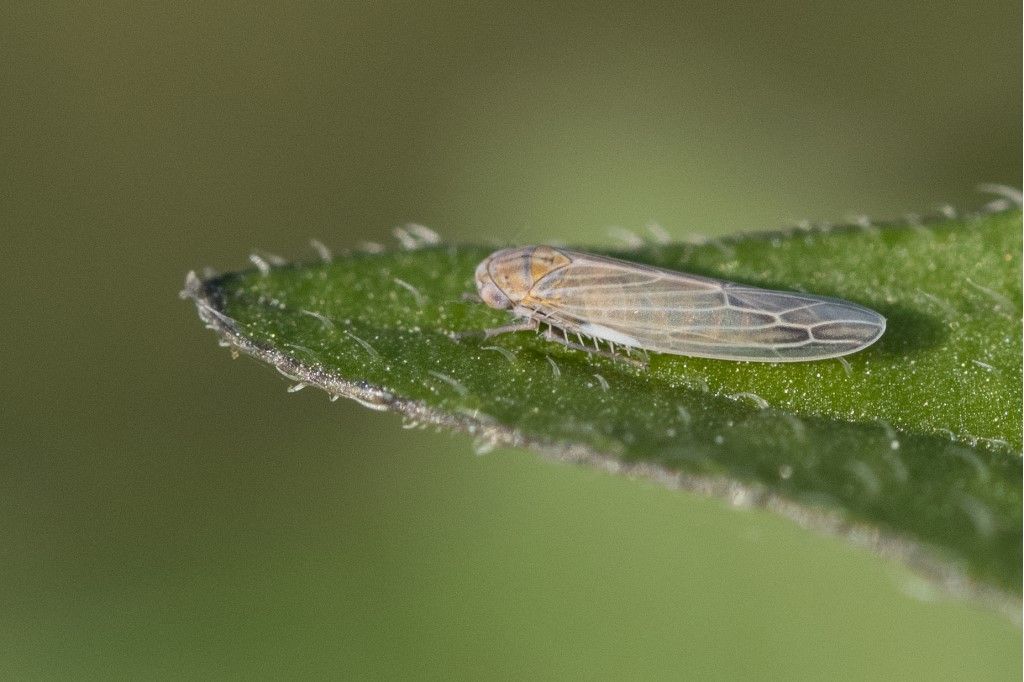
[670, 312]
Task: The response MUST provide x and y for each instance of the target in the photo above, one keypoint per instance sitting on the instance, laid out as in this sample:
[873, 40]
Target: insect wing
[670, 312]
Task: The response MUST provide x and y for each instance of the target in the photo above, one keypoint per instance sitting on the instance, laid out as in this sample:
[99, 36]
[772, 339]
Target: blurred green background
[168, 513]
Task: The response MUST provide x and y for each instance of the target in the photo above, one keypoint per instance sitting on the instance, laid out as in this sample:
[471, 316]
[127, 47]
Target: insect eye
[493, 296]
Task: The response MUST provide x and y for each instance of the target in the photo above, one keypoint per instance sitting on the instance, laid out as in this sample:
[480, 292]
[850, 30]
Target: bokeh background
[168, 513]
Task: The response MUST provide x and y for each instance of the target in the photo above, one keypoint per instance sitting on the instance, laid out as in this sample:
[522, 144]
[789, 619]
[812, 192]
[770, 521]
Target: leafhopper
[588, 299]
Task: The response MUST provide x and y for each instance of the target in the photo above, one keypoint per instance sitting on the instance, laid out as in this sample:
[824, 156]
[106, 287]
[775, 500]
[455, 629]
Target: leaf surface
[911, 447]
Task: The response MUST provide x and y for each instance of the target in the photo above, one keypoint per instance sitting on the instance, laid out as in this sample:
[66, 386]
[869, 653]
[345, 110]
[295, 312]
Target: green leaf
[911, 447]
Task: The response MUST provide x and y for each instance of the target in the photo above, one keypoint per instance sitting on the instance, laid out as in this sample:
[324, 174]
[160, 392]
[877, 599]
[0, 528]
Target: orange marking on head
[544, 259]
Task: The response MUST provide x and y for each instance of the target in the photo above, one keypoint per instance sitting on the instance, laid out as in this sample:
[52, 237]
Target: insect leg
[526, 325]
[563, 339]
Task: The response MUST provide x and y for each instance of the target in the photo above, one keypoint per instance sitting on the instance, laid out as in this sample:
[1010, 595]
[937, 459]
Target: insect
[584, 296]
